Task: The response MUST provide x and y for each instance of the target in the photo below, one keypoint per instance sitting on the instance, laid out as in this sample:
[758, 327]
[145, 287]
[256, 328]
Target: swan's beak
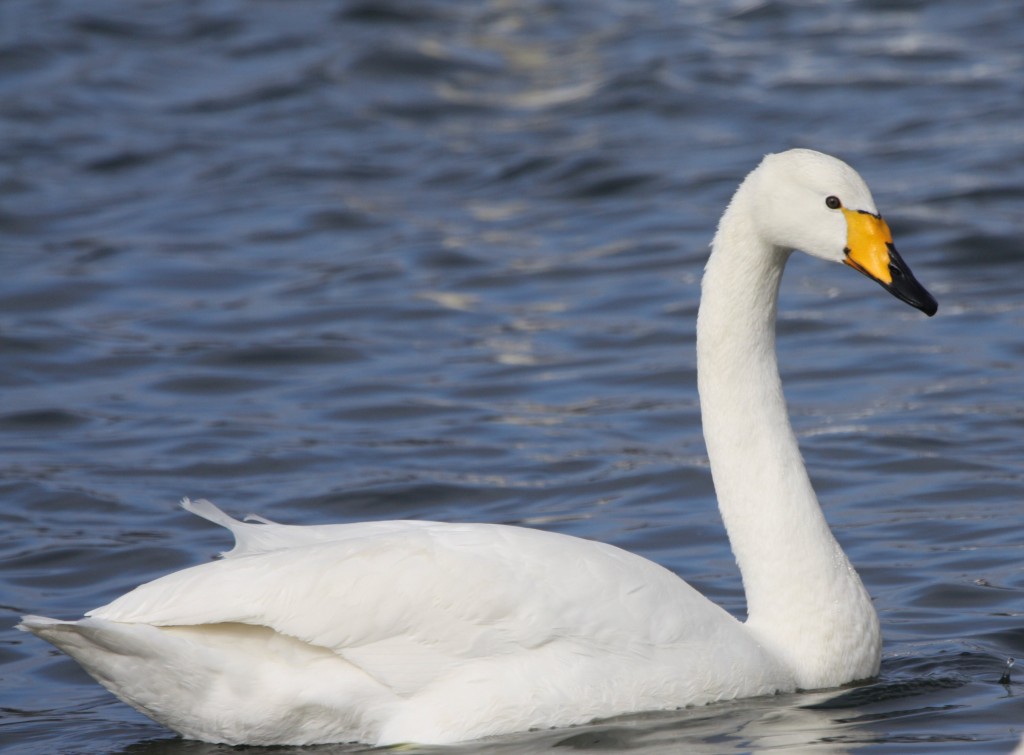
[870, 250]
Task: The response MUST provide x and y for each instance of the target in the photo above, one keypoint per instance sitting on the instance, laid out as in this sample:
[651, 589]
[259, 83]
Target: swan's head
[817, 204]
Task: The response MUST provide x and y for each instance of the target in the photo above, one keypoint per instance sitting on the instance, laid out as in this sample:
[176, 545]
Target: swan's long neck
[805, 602]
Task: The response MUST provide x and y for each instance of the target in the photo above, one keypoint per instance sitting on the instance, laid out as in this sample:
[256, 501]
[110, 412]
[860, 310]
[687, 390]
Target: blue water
[351, 260]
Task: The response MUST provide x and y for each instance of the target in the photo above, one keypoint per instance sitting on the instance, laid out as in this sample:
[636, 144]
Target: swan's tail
[224, 682]
[161, 675]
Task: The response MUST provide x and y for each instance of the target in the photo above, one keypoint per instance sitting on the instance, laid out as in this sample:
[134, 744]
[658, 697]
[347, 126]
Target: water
[339, 261]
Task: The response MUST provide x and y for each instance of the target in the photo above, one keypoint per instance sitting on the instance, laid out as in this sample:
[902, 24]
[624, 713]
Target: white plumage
[390, 632]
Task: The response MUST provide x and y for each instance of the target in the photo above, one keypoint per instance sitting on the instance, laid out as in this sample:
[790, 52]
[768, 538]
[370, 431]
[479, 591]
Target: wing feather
[411, 603]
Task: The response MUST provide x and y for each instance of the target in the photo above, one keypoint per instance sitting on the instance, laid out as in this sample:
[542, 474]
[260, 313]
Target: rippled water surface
[331, 261]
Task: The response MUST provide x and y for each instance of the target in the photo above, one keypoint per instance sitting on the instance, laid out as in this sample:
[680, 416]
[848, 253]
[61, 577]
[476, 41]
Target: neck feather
[805, 602]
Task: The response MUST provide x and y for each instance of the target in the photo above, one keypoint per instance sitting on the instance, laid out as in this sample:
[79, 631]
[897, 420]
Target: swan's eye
[833, 203]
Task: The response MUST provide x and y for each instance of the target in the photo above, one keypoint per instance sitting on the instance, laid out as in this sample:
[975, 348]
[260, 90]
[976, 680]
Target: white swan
[427, 632]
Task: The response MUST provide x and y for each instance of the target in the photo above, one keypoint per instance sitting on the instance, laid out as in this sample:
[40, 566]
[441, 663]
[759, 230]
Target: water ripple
[391, 259]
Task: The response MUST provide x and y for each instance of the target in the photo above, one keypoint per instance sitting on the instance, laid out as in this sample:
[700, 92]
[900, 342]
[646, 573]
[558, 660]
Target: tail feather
[228, 682]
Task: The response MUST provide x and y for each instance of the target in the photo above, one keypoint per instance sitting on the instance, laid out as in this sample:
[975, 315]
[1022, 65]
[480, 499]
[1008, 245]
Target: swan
[430, 632]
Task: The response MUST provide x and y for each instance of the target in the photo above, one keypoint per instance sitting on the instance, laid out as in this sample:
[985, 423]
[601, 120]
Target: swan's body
[390, 632]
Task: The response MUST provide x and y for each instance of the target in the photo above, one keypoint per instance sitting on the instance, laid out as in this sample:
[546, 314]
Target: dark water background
[332, 261]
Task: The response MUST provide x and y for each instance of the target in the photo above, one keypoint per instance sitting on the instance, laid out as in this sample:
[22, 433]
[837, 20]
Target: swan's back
[413, 631]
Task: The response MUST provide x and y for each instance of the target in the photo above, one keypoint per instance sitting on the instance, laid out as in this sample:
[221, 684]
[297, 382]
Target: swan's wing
[414, 603]
[413, 632]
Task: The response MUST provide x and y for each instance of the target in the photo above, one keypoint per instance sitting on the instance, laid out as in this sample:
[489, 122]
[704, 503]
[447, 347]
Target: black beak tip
[913, 293]
[904, 286]
[930, 307]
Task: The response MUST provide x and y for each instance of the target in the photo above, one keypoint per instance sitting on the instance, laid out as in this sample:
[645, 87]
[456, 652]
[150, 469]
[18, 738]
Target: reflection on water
[332, 262]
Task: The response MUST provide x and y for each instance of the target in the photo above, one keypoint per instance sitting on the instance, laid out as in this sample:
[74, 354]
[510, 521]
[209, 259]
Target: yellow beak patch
[868, 241]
